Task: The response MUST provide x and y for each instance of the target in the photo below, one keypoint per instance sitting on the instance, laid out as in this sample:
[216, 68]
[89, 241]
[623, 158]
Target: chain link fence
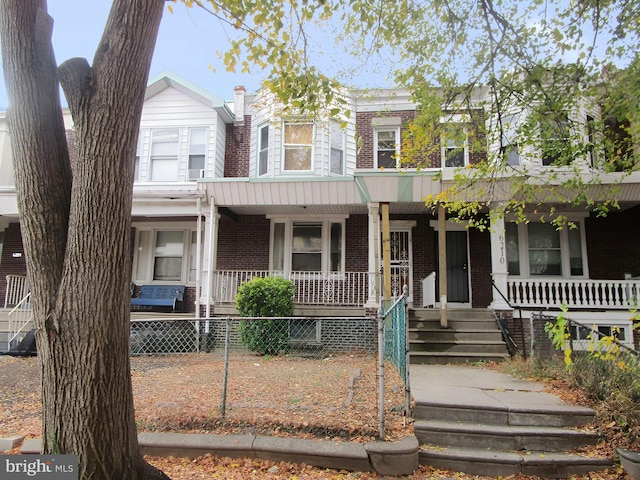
[312, 374]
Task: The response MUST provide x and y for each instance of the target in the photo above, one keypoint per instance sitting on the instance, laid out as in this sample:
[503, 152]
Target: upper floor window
[164, 155]
[592, 157]
[454, 145]
[298, 146]
[136, 166]
[387, 144]
[509, 150]
[336, 162]
[197, 151]
[263, 150]
[554, 135]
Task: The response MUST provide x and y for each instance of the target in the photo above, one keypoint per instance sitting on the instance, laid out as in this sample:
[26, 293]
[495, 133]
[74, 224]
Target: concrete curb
[385, 458]
[10, 442]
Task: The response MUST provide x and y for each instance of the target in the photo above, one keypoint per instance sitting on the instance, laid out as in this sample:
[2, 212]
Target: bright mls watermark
[50, 467]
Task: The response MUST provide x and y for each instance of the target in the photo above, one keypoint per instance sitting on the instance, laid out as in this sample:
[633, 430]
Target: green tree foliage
[265, 297]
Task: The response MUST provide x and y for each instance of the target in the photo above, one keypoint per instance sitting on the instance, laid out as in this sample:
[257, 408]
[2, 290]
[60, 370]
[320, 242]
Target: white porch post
[212, 243]
[374, 254]
[499, 265]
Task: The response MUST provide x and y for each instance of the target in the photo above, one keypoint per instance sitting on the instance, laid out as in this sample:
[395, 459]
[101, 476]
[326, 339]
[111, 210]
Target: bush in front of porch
[265, 297]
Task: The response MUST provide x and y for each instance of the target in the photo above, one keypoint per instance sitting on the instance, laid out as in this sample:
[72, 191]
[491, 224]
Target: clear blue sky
[187, 44]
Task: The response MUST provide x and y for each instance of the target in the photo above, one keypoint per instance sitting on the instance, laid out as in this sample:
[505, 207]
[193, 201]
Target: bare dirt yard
[332, 398]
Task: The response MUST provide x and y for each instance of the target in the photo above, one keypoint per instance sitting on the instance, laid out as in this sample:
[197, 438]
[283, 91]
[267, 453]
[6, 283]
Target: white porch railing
[610, 294]
[312, 288]
[17, 289]
[20, 318]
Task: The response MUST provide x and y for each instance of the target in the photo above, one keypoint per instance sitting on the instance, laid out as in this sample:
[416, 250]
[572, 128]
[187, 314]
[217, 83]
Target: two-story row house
[225, 191]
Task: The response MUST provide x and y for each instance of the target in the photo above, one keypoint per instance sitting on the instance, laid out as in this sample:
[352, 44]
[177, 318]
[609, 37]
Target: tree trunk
[76, 223]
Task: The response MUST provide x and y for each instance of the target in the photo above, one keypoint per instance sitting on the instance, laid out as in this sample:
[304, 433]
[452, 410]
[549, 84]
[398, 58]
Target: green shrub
[265, 297]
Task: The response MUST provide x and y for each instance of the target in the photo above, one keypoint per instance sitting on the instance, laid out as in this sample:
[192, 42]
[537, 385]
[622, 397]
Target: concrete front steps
[471, 336]
[495, 441]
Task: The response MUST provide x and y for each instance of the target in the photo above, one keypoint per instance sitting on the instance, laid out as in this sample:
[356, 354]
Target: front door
[457, 268]
[401, 271]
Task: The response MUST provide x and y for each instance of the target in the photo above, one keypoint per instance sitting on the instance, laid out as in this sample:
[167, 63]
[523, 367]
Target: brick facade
[237, 149]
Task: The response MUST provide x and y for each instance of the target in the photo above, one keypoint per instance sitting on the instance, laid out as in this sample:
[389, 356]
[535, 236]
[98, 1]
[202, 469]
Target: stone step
[502, 437]
[491, 463]
[453, 324]
[524, 415]
[452, 314]
[443, 358]
[476, 346]
[440, 334]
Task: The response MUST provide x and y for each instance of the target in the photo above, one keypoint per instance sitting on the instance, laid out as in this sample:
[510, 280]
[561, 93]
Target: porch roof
[323, 195]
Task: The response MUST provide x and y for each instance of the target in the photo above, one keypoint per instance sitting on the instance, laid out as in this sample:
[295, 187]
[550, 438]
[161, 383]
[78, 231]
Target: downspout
[210, 262]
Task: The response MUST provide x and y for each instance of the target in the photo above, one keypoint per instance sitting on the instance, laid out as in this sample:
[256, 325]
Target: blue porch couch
[159, 296]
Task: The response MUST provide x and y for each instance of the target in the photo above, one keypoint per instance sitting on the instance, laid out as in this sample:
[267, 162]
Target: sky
[187, 44]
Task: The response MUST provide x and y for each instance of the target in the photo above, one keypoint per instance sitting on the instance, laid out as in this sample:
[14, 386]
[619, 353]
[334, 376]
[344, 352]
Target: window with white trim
[136, 165]
[263, 150]
[336, 139]
[453, 141]
[298, 146]
[509, 150]
[540, 249]
[197, 153]
[307, 246]
[554, 135]
[386, 144]
[165, 255]
[164, 155]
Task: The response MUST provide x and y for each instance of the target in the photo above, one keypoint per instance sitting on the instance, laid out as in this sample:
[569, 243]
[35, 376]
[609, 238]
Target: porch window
[167, 265]
[263, 150]
[454, 145]
[165, 255]
[387, 142]
[197, 150]
[307, 246]
[298, 146]
[164, 155]
[539, 249]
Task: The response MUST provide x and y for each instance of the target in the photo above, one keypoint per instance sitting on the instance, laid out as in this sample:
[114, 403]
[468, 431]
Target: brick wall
[364, 131]
[10, 265]
[237, 155]
[612, 244]
[243, 244]
[357, 244]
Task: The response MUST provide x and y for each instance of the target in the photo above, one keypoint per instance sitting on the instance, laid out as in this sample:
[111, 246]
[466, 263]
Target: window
[307, 246]
[508, 145]
[298, 146]
[592, 158]
[539, 249]
[164, 155]
[165, 255]
[167, 264]
[304, 330]
[545, 255]
[554, 133]
[386, 144]
[263, 150]
[336, 161]
[454, 145]
[197, 150]
[136, 165]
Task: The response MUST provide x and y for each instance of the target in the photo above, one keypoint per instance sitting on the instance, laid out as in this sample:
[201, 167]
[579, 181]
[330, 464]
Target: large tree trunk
[76, 225]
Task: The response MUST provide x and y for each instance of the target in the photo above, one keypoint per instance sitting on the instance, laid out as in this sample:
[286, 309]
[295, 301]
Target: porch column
[211, 244]
[374, 254]
[499, 266]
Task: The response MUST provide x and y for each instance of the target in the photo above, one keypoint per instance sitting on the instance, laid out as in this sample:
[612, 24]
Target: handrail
[17, 327]
[524, 347]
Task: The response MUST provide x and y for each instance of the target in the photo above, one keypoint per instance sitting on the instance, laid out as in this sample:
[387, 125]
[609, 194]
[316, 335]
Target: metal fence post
[381, 368]
[227, 341]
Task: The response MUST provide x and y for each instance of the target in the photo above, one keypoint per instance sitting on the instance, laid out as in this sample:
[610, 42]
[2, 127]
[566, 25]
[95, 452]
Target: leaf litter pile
[332, 398]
